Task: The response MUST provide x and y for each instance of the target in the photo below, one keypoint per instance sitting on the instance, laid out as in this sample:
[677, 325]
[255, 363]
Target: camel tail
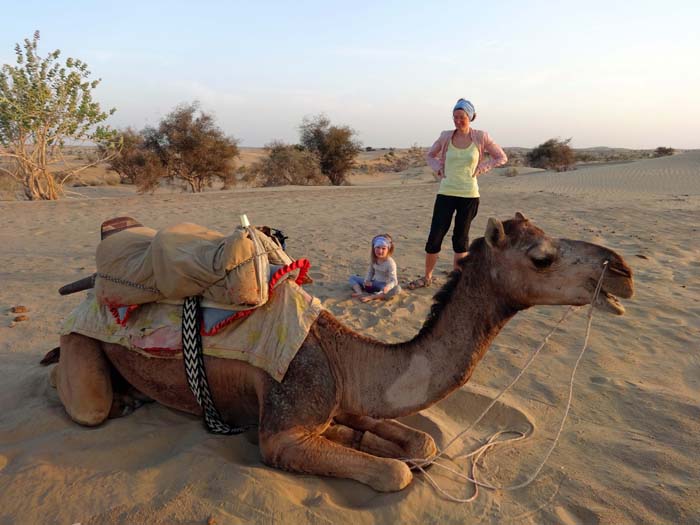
[51, 357]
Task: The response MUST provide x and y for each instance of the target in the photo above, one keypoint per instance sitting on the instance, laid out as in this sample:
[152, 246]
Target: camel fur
[334, 412]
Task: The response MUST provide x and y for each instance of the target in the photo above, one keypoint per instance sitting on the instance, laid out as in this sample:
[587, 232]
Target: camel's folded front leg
[363, 440]
[303, 451]
[408, 442]
[83, 380]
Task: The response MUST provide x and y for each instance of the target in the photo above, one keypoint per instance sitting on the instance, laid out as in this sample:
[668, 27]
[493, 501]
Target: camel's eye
[542, 255]
[543, 262]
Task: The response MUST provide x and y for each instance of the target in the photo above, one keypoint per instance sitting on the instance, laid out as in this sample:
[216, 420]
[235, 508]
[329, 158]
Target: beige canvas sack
[140, 265]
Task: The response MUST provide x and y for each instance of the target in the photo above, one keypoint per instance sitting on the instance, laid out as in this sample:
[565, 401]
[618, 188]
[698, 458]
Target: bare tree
[44, 104]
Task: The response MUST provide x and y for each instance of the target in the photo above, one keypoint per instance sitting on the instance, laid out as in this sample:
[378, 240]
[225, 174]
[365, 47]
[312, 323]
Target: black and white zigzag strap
[194, 368]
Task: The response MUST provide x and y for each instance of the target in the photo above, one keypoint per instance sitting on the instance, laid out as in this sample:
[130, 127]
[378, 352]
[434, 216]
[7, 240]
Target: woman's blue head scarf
[467, 107]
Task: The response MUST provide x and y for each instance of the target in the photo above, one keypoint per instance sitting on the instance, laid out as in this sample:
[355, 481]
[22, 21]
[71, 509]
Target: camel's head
[532, 268]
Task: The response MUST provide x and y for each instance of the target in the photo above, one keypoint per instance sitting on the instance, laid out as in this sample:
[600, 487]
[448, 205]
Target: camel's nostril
[620, 270]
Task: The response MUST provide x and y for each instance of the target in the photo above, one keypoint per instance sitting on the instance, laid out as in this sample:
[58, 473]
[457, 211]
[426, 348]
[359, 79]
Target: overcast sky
[619, 74]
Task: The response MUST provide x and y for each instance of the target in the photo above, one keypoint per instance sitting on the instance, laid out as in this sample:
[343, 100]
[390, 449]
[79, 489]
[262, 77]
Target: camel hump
[51, 357]
[116, 225]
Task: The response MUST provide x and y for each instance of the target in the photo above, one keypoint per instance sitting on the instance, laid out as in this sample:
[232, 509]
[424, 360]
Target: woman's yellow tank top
[460, 165]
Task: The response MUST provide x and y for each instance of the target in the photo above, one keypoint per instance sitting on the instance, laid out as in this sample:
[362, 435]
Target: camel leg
[82, 378]
[409, 442]
[364, 441]
[303, 451]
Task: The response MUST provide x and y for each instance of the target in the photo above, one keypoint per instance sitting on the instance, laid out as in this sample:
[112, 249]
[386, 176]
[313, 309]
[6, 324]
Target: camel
[334, 413]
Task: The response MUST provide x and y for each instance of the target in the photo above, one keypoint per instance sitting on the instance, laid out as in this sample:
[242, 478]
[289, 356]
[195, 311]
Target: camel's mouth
[618, 283]
[609, 303]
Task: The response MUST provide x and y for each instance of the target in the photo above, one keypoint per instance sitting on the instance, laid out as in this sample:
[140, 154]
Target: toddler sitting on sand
[381, 281]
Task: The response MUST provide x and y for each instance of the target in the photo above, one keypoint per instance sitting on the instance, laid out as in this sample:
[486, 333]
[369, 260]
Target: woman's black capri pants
[445, 207]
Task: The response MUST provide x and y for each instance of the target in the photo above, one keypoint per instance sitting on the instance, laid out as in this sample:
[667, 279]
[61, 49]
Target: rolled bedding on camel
[141, 265]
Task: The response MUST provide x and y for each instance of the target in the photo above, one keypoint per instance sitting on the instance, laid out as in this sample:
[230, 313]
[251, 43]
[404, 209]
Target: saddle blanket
[268, 338]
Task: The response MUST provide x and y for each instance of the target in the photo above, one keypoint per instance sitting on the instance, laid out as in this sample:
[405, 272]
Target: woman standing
[457, 157]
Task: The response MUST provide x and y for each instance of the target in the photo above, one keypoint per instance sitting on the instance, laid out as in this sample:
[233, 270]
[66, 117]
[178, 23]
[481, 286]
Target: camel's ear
[495, 236]
[520, 216]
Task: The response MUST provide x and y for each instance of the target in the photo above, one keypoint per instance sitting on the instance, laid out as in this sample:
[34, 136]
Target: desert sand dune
[676, 175]
[628, 453]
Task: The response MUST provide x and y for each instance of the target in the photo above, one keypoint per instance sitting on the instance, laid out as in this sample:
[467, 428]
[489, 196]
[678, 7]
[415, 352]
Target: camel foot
[390, 438]
[301, 451]
[396, 477]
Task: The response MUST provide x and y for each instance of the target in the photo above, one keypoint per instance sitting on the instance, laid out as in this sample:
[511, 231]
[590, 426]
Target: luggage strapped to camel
[189, 264]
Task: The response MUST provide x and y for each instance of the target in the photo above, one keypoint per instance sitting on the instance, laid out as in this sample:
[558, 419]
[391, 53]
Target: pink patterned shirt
[497, 157]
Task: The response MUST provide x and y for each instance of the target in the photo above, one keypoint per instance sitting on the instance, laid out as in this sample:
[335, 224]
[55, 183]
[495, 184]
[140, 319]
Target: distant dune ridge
[628, 453]
[677, 174]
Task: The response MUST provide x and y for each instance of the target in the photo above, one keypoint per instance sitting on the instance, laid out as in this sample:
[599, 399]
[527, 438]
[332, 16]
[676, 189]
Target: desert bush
[136, 163]
[662, 151]
[552, 154]
[43, 104]
[192, 149]
[334, 146]
[285, 164]
[510, 172]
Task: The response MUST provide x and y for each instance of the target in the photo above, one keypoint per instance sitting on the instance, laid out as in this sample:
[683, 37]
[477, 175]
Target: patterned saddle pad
[268, 338]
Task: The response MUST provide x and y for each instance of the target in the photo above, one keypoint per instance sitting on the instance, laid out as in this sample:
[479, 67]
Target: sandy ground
[628, 453]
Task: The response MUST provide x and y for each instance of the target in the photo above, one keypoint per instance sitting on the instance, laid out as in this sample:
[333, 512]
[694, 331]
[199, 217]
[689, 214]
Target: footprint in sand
[576, 515]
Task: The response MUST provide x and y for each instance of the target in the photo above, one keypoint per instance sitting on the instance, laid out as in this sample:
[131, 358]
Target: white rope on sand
[477, 454]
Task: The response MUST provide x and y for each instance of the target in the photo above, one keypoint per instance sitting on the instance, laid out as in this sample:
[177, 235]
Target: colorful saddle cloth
[268, 338]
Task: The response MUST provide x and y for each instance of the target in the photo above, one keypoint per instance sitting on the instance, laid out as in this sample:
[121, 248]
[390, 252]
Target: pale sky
[619, 74]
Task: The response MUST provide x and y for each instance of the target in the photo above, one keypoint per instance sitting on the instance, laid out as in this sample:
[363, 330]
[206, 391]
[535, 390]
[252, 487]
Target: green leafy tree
[192, 149]
[553, 154]
[43, 105]
[335, 146]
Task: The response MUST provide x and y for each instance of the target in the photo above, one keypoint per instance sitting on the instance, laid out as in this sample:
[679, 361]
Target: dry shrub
[284, 165]
[510, 172]
[553, 154]
[663, 151]
[335, 147]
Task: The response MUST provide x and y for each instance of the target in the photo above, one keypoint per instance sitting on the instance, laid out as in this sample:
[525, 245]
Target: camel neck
[440, 359]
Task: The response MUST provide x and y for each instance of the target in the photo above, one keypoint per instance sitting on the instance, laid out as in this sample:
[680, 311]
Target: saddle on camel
[333, 411]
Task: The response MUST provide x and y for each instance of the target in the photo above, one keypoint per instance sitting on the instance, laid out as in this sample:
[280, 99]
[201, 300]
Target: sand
[628, 453]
